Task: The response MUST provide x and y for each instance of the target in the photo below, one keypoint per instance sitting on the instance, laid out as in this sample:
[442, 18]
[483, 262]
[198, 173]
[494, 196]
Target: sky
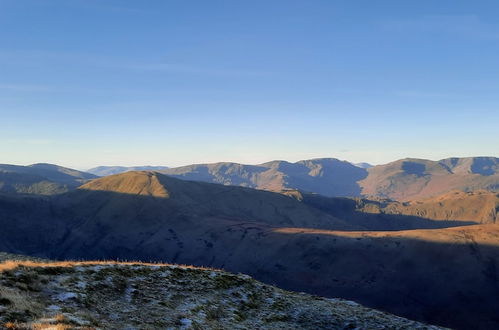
[173, 82]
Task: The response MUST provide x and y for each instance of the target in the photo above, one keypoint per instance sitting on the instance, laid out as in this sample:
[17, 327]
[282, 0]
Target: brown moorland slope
[455, 208]
[478, 206]
[183, 200]
[403, 179]
[410, 178]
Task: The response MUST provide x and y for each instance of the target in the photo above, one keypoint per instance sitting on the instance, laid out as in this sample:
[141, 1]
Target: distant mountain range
[403, 180]
[410, 178]
[363, 165]
[110, 170]
[41, 179]
[400, 180]
[296, 241]
[326, 176]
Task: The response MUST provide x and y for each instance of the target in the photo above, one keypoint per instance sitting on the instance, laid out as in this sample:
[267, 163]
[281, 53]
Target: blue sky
[173, 82]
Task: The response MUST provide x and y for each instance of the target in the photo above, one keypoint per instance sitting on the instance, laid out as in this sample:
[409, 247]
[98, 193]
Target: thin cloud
[425, 94]
[25, 88]
[43, 58]
[179, 68]
[464, 25]
[98, 5]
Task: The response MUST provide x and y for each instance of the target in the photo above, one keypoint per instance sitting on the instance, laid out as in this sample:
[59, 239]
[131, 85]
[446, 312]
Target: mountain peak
[145, 183]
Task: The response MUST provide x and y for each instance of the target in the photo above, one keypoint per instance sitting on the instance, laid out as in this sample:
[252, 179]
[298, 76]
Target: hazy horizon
[180, 164]
[89, 83]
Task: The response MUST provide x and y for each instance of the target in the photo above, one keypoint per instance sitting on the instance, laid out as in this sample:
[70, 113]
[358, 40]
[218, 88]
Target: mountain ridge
[413, 178]
[404, 179]
[308, 175]
[41, 179]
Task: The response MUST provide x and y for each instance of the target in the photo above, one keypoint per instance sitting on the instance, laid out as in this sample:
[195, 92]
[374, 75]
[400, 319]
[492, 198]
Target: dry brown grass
[60, 318]
[40, 326]
[46, 326]
[11, 325]
[144, 183]
[482, 234]
[13, 264]
[17, 299]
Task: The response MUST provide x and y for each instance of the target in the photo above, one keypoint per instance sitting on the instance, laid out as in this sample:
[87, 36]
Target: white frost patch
[66, 296]
[76, 319]
[269, 300]
[97, 268]
[213, 274]
[244, 276]
[128, 294]
[53, 308]
[165, 273]
[187, 306]
[185, 323]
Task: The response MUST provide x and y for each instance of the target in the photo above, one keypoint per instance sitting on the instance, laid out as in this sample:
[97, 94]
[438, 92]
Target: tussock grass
[129, 294]
[23, 277]
[16, 299]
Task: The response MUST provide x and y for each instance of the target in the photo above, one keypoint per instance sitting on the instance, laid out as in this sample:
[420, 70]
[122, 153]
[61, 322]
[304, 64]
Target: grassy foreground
[132, 295]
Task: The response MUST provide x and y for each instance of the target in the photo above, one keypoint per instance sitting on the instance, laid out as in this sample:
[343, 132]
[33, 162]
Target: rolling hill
[40, 179]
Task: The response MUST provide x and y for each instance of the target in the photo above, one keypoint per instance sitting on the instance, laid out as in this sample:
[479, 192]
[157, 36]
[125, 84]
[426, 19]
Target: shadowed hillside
[184, 200]
[327, 176]
[440, 276]
[456, 208]
[40, 179]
